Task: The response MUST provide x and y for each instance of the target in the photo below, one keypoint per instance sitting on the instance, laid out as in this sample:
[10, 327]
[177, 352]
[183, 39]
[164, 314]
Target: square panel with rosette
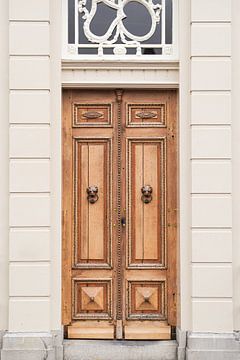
[92, 299]
[147, 300]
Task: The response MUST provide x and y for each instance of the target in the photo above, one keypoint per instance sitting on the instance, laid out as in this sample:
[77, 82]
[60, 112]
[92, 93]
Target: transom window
[120, 28]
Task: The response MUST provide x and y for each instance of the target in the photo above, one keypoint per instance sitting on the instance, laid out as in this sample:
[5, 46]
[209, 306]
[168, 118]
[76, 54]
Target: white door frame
[150, 75]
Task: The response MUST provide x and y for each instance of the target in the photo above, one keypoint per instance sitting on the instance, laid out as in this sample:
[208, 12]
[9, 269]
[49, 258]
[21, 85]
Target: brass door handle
[92, 192]
[146, 194]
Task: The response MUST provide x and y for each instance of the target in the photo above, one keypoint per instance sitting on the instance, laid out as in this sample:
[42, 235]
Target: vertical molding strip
[119, 331]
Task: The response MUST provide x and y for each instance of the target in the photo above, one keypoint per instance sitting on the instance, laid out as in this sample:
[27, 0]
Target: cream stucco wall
[236, 160]
[206, 97]
[35, 176]
[212, 290]
[4, 64]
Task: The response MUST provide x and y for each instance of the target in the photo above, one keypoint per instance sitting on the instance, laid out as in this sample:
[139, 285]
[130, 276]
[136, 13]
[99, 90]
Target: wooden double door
[119, 213]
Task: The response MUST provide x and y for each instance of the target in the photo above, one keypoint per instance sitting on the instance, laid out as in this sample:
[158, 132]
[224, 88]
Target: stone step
[119, 350]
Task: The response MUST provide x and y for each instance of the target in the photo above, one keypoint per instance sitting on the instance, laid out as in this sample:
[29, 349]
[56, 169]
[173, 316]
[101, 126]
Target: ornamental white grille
[119, 28]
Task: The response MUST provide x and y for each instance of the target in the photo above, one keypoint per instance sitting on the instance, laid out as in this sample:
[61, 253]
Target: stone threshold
[188, 346]
[119, 350]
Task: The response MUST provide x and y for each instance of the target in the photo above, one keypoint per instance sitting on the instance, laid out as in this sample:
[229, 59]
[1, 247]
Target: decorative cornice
[120, 74]
[118, 64]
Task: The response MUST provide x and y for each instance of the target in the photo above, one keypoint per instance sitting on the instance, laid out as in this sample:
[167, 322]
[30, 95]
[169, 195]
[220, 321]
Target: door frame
[178, 168]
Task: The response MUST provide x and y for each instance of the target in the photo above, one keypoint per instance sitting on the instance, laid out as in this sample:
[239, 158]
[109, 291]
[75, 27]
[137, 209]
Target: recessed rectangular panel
[146, 115]
[92, 202]
[147, 330]
[90, 329]
[151, 210]
[146, 300]
[97, 115]
[92, 299]
[146, 203]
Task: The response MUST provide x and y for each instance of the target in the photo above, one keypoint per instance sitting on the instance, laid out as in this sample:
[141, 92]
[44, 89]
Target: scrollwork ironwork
[117, 26]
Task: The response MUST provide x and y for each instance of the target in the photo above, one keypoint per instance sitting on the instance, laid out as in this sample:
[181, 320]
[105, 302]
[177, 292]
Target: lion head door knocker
[147, 194]
[92, 192]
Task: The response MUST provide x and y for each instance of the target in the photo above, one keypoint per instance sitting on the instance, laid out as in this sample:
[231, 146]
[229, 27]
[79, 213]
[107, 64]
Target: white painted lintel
[124, 74]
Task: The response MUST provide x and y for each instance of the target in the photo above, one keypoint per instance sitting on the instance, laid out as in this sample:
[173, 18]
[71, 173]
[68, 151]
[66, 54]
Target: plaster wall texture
[34, 286]
[35, 167]
[212, 284]
[29, 161]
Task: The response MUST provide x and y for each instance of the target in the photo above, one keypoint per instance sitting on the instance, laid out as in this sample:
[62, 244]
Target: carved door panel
[119, 214]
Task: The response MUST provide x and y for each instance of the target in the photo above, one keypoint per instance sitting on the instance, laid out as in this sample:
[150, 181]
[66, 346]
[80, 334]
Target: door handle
[92, 192]
[123, 222]
[146, 194]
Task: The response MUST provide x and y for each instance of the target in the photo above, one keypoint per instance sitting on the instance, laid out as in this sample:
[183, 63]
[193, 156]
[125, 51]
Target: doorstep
[119, 350]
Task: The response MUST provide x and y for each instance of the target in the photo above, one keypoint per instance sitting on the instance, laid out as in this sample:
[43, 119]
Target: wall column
[236, 160]
[4, 178]
[211, 154]
[31, 211]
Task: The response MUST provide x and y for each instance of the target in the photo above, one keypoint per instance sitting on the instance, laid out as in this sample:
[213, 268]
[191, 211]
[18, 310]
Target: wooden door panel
[150, 192]
[92, 115]
[146, 115]
[92, 299]
[149, 329]
[151, 213]
[91, 330]
[146, 300]
[92, 220]
[146, 236]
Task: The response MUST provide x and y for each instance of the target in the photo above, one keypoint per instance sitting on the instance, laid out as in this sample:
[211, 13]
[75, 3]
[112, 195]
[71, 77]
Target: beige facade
[208, 79]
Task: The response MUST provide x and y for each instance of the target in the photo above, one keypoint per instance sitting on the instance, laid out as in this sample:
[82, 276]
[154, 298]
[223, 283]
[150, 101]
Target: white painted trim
[56, 166]
[124, 63]
[176, 28]
[4, 178]
[123, 74]
[64, 31]
[236, 160]
[76, 23]
[185, 167]
[163, 22]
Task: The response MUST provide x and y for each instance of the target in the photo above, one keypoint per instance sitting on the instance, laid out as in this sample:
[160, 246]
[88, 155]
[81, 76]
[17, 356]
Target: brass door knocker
[92, 192]
[147, 194]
